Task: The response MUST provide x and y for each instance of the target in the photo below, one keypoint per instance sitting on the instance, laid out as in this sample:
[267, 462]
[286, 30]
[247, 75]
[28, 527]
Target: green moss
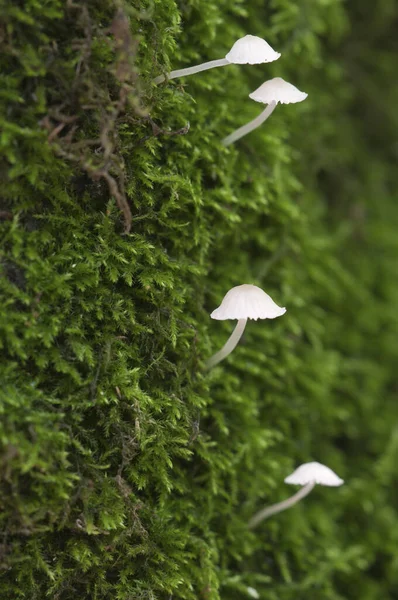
[126, 471]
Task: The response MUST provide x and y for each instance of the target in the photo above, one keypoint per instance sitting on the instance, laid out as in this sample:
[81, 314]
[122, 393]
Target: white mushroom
[242, 302]
[271, 92]
[250, 50]
[307, 475]
[253, 593]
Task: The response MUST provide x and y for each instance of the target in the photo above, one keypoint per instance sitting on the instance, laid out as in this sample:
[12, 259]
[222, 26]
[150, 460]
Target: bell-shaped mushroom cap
[314, 472]
[247, 302]
[251, 50]
[277, 90]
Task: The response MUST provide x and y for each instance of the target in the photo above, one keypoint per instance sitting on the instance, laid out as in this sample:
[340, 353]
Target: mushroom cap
[314, 472]
[247, 302]
[277, 90]
[251, 50]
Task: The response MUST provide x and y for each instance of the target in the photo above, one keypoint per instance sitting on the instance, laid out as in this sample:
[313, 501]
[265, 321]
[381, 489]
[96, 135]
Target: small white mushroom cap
[251, 50]
[253, 593]
[314, 472]
[247, 302]
[277, 90]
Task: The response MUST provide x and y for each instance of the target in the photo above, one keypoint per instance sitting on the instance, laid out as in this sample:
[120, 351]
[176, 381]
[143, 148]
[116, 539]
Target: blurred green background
[127, 471]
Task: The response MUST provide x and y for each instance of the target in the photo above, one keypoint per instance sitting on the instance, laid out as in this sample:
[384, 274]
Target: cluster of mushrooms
[247, 301]
[249, 50]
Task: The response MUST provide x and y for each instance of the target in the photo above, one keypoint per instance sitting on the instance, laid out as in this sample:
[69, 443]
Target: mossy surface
[127, 471]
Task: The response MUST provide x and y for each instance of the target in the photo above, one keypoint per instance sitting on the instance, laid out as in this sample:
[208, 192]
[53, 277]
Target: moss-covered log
[127, 471]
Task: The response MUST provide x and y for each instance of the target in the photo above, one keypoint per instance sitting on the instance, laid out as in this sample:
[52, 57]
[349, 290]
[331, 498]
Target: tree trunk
[126, 470]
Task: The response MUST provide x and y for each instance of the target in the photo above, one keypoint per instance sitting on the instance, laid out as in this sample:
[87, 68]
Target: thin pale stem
[231, 343]
[268, 511]
[221, 62]
[245, 129]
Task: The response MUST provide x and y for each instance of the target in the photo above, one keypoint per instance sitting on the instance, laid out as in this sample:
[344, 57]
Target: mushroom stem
[268, 511]
[245, 129]
[230, 344]
[221, 62]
